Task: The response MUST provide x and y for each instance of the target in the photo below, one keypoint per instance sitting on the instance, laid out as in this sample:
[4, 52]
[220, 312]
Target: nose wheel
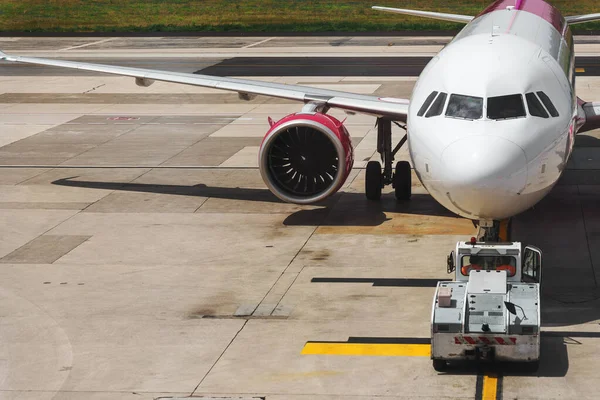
[376, 178]
[402, 181]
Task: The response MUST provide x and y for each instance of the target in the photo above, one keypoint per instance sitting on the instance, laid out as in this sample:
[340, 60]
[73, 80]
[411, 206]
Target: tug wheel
[440, 365]
[532, 366]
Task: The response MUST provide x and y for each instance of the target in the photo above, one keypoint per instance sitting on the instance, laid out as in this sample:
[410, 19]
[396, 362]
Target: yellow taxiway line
[490, 387]
[367, 349]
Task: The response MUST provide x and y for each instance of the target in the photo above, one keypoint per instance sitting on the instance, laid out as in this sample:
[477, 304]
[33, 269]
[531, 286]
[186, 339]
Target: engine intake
[305, 158]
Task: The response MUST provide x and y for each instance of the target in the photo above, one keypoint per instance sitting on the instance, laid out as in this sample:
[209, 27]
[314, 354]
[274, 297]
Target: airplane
[490, 124]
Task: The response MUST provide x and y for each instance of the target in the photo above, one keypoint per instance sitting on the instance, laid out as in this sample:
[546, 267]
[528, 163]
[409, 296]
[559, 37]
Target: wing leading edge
[396, 109]
[465, 19]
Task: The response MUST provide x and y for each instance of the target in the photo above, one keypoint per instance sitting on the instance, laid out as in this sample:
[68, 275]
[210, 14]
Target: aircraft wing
[578, 19]
[591, 116]
[465, 19]
[393, 108]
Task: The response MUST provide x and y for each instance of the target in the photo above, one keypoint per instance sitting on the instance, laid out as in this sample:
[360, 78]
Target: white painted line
[257, 43]
[87, 44]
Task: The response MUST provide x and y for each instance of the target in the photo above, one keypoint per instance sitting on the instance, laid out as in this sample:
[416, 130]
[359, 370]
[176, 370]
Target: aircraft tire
[373, 180]
[403, 181]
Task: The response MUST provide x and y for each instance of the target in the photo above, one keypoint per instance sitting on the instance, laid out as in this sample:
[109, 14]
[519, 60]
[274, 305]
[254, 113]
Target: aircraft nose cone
[484, 176]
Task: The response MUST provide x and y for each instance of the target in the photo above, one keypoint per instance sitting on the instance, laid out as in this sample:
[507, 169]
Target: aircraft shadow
[342, 209]
[564, 225]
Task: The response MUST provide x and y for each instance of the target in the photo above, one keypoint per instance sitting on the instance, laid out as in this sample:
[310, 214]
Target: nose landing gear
[493, 231]
[376, 179]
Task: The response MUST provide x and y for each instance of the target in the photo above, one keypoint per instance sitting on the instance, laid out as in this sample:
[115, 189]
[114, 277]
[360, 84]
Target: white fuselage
[496, 162]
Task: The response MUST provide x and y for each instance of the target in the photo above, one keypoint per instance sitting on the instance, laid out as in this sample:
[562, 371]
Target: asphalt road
[271, 66]
[343, 66]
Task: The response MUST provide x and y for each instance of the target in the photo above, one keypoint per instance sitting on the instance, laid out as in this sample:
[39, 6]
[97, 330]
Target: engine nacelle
[306, 157]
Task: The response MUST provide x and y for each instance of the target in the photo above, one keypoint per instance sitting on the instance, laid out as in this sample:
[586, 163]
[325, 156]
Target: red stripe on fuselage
[537, 7]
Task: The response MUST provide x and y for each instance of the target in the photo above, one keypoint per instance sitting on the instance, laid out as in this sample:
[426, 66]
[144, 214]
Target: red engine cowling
[306, 157]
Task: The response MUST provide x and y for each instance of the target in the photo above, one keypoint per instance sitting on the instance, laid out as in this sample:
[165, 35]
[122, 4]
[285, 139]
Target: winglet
[465, 19]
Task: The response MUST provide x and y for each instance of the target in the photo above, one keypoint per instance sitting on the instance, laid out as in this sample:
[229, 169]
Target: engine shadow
[200, 189]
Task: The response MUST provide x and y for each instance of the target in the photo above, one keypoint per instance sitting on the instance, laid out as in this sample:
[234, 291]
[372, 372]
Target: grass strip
[240, 15]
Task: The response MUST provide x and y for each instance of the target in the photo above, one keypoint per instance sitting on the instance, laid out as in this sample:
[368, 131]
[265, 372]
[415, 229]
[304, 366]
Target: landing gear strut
[493, 231]
[376, 179]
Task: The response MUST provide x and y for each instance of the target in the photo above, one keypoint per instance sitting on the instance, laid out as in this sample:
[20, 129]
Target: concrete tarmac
[142, 256]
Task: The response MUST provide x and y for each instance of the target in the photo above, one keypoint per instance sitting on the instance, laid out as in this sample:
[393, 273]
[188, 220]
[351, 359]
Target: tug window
[506, 107]
[438, 106]
[548, 103]
[536, 109]
[488, 263]
[427, 103]
[465, 107]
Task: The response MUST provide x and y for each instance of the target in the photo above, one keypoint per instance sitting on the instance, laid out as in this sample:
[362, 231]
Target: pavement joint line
[88, 44]
[101, 144]
[292, 261]
[94, 88]
[257, 43]
[283, 273]
[587, 237]
[183, 150]
[220, 356]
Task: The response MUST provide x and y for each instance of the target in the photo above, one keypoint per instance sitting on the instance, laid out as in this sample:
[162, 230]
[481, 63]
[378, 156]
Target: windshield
[477, 263]
[536, 109]
[548, 103]
[427, 103]
[437, 107]
[465, 107]
[506, 107]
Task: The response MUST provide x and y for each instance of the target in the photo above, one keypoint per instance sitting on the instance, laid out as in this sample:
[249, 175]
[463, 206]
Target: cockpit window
[427, 103]
[506, 107]
[548, 103]
[438, 106]
[465, 107]
[536, 109]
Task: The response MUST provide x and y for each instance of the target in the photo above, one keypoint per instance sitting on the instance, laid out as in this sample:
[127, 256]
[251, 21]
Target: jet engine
[306, 157]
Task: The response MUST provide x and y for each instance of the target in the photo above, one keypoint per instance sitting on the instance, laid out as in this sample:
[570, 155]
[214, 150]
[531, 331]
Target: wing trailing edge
[465, 19]
[578, 19]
